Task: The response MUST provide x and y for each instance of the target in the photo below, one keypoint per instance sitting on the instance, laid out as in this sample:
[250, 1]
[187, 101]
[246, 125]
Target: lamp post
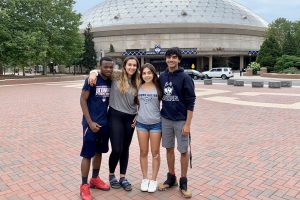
[52, 67]
[250, 54]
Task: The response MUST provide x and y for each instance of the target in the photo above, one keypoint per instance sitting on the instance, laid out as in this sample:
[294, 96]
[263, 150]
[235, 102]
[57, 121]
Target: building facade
[211, 33]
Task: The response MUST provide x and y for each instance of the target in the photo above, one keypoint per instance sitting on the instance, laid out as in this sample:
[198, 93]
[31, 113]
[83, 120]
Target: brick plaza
[245, 145]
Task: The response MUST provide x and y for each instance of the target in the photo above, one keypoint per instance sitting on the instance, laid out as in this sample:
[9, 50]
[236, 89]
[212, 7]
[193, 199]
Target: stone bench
[257, 84]
[238, 83]
[286, 83]
[274, 84]
[230, 82]
[207, 82]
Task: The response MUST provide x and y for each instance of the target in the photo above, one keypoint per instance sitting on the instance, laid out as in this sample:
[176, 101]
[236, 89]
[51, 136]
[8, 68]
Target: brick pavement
[239, 151]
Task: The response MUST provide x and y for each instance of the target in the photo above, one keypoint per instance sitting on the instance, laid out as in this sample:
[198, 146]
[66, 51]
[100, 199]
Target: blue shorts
[152, 128]
[94, 142]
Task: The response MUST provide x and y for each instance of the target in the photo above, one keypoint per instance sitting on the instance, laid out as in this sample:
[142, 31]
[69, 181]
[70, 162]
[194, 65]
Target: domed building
[211, 33]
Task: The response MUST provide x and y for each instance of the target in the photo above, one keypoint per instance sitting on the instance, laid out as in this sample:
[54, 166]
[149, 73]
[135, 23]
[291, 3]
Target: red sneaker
[99, 184]
[85, 192]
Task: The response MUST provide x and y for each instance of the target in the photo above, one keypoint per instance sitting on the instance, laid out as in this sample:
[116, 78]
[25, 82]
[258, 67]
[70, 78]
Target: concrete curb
[41, 80]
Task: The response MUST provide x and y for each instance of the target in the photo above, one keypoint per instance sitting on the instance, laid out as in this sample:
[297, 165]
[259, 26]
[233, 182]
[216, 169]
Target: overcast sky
[269, 10]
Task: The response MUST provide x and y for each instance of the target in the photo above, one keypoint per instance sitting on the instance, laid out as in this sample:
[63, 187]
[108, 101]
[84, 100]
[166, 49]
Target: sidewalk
[245, 145]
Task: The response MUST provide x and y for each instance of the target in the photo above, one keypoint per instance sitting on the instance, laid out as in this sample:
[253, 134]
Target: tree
[289, 45]
[297, 37]
[89, 59]
[111, 48]
[269, 52]
[279, 28]
[41, 31]
[4, 33]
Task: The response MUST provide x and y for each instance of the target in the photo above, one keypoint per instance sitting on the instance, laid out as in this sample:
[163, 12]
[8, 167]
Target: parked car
[194, 74]
[220, 72]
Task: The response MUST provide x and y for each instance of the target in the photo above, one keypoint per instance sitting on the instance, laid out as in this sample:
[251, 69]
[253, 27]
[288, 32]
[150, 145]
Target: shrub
[287, 62]
[291, 70]
[254, 66]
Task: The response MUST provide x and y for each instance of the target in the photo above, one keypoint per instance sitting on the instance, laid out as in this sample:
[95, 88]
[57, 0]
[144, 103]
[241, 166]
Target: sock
[173, 174]
[95, 173]
[84, 180]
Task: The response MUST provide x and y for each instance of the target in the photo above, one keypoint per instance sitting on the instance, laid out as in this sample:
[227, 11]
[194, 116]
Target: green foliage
[291, 70]
[289, 44]
[279, 28]
[254, 66]
[89, 59]
[38, 32]
[287, 63]
[297, 36]
[269, 52]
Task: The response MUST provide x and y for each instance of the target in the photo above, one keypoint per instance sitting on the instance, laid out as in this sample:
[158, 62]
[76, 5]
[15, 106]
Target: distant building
[211, 33]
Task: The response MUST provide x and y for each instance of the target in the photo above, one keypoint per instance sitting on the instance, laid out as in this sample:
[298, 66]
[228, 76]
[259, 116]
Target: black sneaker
[183, 188]
[170, 182]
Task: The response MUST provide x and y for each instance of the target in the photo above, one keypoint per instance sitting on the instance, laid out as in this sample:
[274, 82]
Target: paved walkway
[240, 150]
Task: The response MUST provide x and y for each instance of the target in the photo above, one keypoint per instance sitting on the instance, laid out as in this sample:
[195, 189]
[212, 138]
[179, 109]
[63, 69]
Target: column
[210, 62]
[241, 63]
[142, 60]
[198, 64]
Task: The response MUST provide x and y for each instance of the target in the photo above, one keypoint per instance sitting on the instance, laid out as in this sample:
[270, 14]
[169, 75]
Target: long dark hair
[155, 78]
[135, 79]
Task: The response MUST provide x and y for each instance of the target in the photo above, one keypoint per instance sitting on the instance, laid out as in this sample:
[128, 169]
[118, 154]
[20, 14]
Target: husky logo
[168, 93]
[157, 49]
[168, 88]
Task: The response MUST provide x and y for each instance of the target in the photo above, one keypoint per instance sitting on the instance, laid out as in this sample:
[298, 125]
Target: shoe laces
[85, 188]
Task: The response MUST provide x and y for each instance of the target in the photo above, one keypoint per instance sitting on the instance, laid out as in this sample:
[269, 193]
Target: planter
[263, 70]
[249, 72]
[283, 76]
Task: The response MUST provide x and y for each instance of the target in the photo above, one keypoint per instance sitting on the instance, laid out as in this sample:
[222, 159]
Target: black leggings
[121, 134]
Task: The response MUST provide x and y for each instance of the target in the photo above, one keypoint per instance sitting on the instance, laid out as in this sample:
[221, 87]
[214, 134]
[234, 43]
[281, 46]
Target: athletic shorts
[152, 128]
[94, 142]
[172, 129]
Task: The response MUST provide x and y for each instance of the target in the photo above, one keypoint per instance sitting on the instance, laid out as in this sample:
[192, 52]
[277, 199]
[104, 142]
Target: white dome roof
[122, 13]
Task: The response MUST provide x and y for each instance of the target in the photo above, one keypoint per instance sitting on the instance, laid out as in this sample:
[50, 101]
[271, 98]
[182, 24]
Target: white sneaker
[144, 185]
[152, 186]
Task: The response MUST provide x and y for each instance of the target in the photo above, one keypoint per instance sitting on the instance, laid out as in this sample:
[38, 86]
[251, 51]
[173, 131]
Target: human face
[106, 68]
[172, 62]
[131, 67]
[147, 75]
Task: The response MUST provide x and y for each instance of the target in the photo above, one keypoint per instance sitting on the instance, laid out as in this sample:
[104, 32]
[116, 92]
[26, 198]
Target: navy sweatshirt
[178, 94]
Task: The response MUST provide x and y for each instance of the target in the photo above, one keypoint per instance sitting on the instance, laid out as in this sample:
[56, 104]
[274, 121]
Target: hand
[133, 123]
[94, 127]
[186, 130]
[92, 79]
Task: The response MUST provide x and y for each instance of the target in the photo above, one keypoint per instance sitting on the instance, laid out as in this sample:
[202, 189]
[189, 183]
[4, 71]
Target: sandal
[125, 184]
[114, 183]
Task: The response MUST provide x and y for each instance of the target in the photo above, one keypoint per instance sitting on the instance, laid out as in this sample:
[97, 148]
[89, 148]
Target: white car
[220, 72]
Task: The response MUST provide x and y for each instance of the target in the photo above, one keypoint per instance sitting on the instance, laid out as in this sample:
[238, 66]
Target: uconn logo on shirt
[168, 91]
[102, 92]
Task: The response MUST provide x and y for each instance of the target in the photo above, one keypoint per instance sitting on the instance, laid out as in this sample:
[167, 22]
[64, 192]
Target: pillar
[241, 63]
[142, 60]
[210, 62]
